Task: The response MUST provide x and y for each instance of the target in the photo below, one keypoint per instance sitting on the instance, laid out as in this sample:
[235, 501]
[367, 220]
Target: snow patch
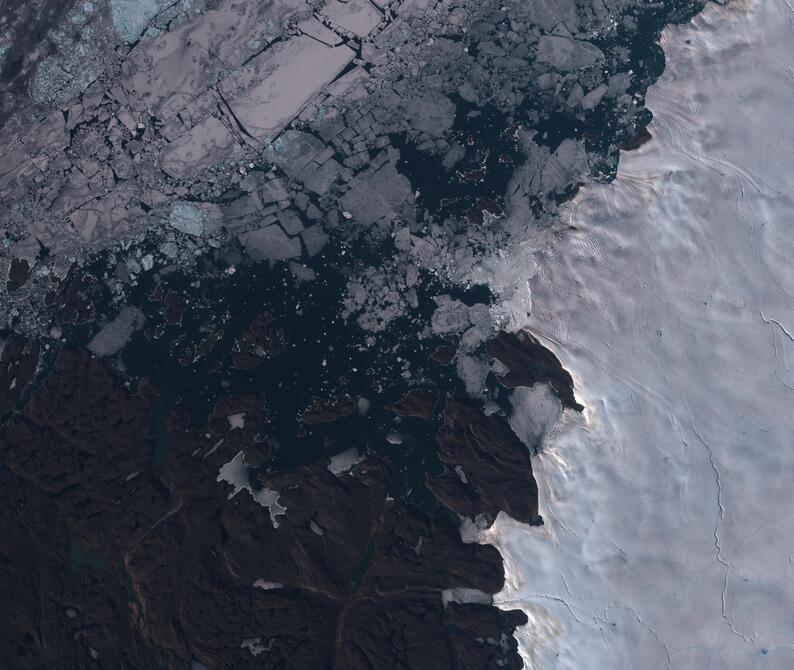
[236, 473]
[266, 585]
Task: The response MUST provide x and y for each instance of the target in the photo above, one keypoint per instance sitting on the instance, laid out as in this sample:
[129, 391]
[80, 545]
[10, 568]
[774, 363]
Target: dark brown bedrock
[109, 561]
[487, 469]
[529, 362]
[18, 363]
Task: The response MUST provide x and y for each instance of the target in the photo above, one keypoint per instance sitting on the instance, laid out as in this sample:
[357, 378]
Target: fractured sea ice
[130, 17]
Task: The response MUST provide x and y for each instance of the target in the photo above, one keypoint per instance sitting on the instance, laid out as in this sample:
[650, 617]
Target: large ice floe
[669, 534]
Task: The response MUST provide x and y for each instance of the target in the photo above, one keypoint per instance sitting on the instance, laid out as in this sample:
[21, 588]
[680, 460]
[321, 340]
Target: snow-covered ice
[236, 472]
[669, 535]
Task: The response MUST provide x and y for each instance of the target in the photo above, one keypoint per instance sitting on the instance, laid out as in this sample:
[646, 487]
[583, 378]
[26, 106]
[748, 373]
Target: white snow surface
[669, 534]
[236, 473]
[535, 411]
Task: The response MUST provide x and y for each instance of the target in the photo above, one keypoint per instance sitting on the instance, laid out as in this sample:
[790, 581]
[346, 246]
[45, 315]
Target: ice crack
[717, 543]
[770, 321]
[650, 630]
[548, 596]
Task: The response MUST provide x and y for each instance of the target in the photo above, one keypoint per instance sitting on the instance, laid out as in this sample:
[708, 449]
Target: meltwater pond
[670, 534]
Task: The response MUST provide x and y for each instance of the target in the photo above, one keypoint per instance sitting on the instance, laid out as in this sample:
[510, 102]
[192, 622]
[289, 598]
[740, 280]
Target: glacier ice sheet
[669, 532]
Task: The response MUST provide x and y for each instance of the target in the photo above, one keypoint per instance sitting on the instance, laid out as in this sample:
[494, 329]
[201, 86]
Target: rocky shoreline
[150, 565]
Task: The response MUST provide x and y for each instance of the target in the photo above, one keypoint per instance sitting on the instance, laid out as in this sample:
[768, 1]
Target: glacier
[669, 534]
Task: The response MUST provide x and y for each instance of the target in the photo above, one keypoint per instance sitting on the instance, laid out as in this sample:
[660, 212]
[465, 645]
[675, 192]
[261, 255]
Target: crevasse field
[669, 506]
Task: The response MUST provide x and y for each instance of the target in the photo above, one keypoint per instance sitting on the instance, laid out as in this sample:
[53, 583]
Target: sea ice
[115, 334]
[344, 462]
[130, 17]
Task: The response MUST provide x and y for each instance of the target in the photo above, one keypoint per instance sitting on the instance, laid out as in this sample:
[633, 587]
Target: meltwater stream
[669, 506]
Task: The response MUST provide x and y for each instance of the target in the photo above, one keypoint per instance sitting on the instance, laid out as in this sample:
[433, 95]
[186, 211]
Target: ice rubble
[668, 535]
